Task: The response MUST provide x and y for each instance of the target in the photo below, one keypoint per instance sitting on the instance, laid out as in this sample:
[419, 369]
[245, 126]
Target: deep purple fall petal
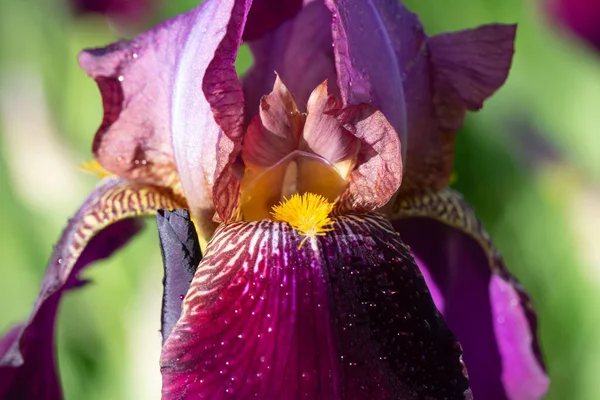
[300, 51]
[103, 224]
[181, 255]
[483, 304]
[346, 316]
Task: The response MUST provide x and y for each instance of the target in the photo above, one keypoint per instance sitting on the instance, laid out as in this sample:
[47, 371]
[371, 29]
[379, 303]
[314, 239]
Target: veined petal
[482, 303]
[102, 225]
[379, 162]
[300, 51]
[181, 255]
[346, 316]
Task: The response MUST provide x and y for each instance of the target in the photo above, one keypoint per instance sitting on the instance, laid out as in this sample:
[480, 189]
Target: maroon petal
[102, 225]
[369, 69]
[379, 164]
[266, 15]
[347, 316]
[275, 131]
[482, 303]
[300, 51]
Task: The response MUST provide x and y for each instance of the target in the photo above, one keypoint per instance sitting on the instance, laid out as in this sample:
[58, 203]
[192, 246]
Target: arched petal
[482, 303]
[347, 316]
[102, 225]
[207, 109]
[173, 106]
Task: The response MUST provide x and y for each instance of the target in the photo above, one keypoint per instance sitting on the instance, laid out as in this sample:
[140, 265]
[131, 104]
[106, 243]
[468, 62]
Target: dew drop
[121, 78]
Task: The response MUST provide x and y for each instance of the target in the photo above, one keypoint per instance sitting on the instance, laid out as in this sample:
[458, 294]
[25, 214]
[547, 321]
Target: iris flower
[331, 244]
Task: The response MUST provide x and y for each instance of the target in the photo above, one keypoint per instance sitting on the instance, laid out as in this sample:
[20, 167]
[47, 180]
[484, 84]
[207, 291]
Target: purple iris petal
[266, 15]
[483, 308]
[346, 316]
[181, 255]
[27, 363]
[368, 67]
[301, 52]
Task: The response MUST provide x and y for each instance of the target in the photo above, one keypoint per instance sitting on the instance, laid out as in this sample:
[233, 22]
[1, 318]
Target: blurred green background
[529, 162]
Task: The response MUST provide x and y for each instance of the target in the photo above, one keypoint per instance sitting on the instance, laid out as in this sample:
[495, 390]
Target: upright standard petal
[423, 86]
[348, 316]
[368, 67]
[207, 108]
[300, 51]
[173, 107]
[267, 15]
[102, 225]
[483, 304]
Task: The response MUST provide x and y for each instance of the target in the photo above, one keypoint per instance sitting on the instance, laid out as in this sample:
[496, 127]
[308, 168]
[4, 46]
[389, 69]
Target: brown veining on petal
[347, 316]
[121, 201]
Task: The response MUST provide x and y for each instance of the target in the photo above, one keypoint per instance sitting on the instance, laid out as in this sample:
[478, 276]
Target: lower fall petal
[482, 303]
[103, 224]
[346, 316]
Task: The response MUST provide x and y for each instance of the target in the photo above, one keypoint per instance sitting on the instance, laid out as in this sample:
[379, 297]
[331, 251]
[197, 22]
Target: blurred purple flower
[124, 10]
[346, 314]
[579, 17]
